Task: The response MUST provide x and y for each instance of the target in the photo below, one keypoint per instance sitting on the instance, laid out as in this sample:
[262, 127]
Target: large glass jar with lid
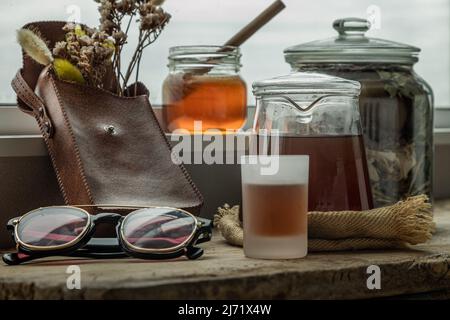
[396, 105]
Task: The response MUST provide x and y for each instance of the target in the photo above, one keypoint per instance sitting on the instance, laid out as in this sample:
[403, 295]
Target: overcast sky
[417, 22]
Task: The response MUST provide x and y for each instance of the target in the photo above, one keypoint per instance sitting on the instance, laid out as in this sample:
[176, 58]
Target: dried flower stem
[152, 20]
[137, 72]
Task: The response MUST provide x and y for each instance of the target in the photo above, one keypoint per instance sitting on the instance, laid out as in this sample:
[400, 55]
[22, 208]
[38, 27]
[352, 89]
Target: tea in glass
[275, 207]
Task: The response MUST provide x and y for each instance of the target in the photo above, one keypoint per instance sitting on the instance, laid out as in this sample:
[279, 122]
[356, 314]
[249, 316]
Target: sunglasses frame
[80, 246]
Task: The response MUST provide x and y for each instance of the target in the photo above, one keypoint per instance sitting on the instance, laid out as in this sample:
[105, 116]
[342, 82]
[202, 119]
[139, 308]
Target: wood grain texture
[224, 273]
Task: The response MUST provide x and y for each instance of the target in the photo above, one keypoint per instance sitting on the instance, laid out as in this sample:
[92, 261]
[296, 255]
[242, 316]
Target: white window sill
[19, 137]
[14, 125]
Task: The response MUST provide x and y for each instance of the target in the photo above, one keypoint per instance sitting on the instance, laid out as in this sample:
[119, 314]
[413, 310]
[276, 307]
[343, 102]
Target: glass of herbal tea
[275, 206]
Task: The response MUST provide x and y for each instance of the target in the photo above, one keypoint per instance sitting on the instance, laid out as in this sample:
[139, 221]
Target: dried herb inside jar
[400, 159]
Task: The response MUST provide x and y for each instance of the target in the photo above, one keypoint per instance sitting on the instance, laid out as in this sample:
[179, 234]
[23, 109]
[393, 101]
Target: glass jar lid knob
[351, 26]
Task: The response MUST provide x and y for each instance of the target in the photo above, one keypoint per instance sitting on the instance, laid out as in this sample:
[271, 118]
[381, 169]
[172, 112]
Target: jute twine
[405, 223]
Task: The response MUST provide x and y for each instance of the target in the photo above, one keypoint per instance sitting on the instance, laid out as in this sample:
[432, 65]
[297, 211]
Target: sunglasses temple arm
[204, 233]
[15, 258]
[10, 224]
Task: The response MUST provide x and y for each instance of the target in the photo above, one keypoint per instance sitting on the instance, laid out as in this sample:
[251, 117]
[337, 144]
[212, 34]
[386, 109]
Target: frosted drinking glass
[275, 206]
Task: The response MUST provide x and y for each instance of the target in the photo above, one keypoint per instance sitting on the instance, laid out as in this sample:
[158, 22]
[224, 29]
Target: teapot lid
[351, 46]
[306, 83]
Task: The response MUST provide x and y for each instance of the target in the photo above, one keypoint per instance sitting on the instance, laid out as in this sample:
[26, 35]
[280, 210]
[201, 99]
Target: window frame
[15, 122]
[20, 137]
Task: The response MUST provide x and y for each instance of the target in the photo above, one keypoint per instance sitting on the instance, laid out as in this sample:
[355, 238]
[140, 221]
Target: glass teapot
[316, 115]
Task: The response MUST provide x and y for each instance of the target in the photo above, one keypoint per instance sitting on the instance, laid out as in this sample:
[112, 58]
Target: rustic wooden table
[224, 273]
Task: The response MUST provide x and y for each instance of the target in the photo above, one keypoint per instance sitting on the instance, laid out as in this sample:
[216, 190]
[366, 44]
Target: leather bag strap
[29, 102]
[32, 104]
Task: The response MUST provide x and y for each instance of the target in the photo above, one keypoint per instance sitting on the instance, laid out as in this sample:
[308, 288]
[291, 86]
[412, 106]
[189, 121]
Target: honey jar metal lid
[351, 46]
[306, 83]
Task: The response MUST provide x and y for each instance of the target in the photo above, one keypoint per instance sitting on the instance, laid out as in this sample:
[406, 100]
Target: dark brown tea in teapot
[338, 177]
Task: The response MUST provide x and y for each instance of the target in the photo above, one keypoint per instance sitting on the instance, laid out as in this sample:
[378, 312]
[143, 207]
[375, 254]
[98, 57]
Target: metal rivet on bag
[48, 129]
[41, 112]
[111, 130]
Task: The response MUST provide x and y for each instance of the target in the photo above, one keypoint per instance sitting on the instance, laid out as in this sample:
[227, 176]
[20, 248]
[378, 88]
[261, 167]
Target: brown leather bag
[105, 149]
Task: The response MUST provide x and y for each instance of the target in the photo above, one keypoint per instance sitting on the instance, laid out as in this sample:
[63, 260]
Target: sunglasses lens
[55, 226]
[158, 228]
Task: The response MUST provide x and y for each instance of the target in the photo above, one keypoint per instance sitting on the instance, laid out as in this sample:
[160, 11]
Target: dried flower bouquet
[88, 55]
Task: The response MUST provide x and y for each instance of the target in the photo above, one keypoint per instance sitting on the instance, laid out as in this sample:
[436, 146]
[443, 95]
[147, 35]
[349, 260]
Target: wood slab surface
[224, 273]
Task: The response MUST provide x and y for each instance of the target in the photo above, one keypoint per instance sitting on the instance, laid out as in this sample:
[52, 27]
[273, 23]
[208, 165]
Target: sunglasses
[145, 233]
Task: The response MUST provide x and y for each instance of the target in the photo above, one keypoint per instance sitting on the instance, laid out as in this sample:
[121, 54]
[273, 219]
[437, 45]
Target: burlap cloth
[405, 223]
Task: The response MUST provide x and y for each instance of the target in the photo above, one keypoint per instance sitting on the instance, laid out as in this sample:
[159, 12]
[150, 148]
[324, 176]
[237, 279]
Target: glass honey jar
[204, 90]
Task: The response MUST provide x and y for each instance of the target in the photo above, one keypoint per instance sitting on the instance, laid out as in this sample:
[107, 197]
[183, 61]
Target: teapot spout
[312, 104]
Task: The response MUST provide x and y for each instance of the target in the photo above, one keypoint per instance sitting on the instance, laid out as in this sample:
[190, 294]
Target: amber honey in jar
[204, 90]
